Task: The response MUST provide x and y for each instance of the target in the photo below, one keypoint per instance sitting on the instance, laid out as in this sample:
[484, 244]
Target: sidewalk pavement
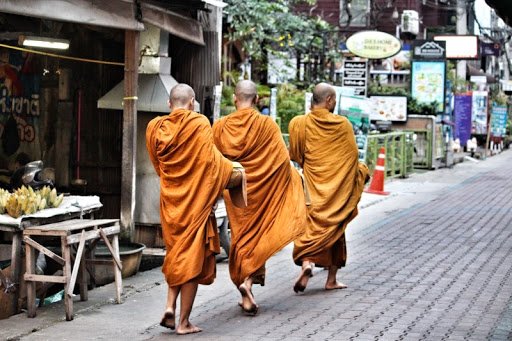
[430, 261]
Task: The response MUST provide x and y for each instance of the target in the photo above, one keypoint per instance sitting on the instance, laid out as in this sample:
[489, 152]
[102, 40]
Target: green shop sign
[373, 44]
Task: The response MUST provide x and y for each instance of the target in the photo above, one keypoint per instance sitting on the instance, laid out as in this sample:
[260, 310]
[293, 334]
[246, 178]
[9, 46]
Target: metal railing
[399, 147]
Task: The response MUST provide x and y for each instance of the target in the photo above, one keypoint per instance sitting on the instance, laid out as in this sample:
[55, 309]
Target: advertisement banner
[19, 105]
[479, 112]
[356, 109]
[388, 108]
[428, 82]
[498, 120]
[462, 116]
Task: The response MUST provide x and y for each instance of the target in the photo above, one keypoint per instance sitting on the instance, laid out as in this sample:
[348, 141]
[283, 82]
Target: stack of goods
[25, 200]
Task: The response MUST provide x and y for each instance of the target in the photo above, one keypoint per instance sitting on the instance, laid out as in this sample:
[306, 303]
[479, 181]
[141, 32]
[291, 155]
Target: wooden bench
[70, 232]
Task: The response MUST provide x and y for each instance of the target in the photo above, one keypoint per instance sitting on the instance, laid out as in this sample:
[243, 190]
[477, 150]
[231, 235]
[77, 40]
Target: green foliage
[263, 26]
[499, 97]
[290, 102]
[377, 89]
[415, 108]
[459, 84]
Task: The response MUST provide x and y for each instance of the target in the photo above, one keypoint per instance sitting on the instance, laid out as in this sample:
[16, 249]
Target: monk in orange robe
[193, 175]
[276, 211]
[323, 144]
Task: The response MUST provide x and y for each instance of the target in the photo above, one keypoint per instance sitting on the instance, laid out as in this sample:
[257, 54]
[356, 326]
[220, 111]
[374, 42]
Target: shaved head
[182, 95]
[324, 97]
[246, 92]
[321, 92]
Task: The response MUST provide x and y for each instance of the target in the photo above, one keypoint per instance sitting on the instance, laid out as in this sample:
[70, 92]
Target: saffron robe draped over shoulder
[324, 145]
[276, 211]
[193, 175]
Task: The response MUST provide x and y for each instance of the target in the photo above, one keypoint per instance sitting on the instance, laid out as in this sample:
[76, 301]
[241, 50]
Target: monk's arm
[296, 141]
[151, 147]
[364, 172]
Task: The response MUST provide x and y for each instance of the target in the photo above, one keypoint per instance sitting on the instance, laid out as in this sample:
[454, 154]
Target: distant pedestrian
[193, 175]
[276, 211]
[323, 144]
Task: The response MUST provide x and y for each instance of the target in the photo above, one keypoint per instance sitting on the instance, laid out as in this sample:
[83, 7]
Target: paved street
[433, 261]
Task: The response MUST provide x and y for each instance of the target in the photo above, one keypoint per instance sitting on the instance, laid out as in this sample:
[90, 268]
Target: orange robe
[193, 175]
[276, 211]
[325, 147]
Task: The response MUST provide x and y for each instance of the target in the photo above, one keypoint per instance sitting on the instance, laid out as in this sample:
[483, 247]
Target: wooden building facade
[60, 122]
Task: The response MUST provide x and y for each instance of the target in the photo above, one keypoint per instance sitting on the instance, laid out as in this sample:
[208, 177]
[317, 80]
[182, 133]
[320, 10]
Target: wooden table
[11, 283]
[70, 232]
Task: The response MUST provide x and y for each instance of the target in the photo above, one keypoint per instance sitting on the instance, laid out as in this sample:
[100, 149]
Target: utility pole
[462, 29]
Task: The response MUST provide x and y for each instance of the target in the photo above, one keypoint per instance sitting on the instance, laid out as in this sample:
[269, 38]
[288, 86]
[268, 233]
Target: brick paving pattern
[436, 271]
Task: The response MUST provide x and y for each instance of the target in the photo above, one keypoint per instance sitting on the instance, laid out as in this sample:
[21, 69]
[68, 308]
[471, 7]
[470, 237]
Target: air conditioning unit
[410, 22]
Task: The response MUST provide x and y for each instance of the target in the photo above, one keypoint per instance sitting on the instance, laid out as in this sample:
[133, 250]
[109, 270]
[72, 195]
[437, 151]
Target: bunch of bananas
[25, 200]
[4, 196]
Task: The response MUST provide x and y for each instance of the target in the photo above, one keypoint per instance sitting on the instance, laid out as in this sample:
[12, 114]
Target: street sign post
[355, 75]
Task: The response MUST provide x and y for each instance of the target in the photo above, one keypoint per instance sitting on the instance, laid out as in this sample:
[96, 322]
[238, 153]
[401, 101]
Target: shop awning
[114, 13]
[178, 25]
[120, 14]
[473, 71]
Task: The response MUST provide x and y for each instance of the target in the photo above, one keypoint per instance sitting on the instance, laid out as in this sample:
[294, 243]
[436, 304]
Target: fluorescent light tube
[44, 42]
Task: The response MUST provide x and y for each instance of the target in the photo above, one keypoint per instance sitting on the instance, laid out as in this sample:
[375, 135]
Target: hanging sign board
[460, 47]
[429, 50]
[355, 76]
[373, 44]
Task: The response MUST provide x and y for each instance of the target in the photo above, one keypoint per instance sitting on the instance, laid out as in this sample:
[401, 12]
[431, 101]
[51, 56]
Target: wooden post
[68, 300]
[117, 270]
[129, 155]
[16, 269]
[31, 285]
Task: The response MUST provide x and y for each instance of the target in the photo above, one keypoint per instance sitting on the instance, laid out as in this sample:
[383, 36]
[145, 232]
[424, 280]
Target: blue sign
[462, 115]
[498, 120]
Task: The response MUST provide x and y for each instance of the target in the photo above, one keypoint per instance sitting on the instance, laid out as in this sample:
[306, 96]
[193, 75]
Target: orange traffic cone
[377, 185]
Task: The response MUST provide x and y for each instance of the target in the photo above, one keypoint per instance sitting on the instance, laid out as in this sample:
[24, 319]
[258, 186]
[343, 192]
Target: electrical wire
[86, 60]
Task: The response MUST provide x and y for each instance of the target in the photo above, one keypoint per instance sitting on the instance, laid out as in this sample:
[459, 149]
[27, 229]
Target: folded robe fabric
[276, 211]
[324, 145]
[193, 175]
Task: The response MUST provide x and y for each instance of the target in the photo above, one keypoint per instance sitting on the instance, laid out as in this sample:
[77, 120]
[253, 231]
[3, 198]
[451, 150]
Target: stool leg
[31, 285]
[117, 272]
[68, 300]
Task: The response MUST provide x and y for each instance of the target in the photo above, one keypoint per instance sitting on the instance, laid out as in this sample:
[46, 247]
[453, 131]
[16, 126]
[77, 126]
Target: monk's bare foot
[248, 303]
[335, 285]
[168, 320]
[302, 282]
[187, 328]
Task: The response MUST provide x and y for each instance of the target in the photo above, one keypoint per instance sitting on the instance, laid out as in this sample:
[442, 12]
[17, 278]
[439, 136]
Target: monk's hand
[236, 178]
[368, 177]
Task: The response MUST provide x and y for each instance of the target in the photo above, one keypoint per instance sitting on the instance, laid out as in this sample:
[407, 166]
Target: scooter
[31, 175]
